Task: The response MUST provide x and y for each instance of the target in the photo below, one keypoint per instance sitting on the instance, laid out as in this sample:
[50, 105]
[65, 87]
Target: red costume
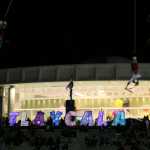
[135, 67]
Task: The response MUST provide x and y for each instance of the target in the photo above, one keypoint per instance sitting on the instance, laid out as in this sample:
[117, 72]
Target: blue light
[56, 117]
[119, 118]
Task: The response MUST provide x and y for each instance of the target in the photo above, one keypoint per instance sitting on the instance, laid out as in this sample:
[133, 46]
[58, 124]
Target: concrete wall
[79, 72]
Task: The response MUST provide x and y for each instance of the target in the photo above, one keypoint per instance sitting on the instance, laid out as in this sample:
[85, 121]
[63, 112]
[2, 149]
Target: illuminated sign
[119, 118]
[100, 120]
[24, 121]
[55, 117]
[39, 119]
[68, 118]
[87, 119]
[12, 118]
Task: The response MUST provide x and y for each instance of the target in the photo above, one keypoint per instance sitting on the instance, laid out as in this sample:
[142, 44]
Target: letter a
[87, 119]
[39, 119]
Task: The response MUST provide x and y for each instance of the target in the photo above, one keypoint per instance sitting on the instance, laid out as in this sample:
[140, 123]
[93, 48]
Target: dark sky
[41, 33]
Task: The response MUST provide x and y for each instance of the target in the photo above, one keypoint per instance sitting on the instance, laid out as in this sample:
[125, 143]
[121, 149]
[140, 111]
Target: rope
[8, 8]
[134, 42]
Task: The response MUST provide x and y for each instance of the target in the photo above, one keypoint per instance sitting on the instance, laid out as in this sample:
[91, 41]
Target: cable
[134, 43]
[8, 8]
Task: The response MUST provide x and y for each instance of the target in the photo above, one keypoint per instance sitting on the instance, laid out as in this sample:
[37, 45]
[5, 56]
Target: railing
[78, 72]
[100, 108]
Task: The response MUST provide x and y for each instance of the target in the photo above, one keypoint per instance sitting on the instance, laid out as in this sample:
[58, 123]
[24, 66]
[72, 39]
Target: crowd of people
[135, 135]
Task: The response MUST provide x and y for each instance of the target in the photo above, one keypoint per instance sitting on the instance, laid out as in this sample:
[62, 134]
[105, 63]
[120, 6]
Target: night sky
[42, 33]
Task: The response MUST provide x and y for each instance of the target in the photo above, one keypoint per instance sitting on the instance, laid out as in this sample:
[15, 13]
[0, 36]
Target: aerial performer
[70, 87]
[135, 73]
[3, 25]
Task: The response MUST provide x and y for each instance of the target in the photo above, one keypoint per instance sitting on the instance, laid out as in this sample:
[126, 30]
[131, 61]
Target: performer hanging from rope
[135, 73]
[3, 25]
[70, 87]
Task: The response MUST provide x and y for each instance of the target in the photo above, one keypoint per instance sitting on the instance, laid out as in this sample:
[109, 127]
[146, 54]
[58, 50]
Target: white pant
[135, 77]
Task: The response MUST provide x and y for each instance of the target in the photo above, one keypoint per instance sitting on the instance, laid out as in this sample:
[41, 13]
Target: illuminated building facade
[96, 87]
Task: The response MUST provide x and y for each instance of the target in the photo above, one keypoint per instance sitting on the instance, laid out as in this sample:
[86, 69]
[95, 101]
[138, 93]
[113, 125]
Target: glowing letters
[39, 119]
[12, 118]
[24, 121]
[87, 119]
[100, 121]
[119, 118]
[56, 117]
[68, 118]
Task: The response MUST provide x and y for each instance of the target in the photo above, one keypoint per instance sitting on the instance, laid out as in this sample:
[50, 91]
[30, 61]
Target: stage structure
[96, 87]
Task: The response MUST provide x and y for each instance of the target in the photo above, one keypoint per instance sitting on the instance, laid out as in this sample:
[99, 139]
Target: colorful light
[56, 117]
[70, 118]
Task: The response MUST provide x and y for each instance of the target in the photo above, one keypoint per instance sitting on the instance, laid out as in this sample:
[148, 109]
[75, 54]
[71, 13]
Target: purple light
[12, 118]
[100, 120]
[87, 119]
[39, 119]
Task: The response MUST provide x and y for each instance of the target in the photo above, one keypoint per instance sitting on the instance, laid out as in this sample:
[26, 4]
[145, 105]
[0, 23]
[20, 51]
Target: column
[4, 94]
[1, 101]
[11, 99]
